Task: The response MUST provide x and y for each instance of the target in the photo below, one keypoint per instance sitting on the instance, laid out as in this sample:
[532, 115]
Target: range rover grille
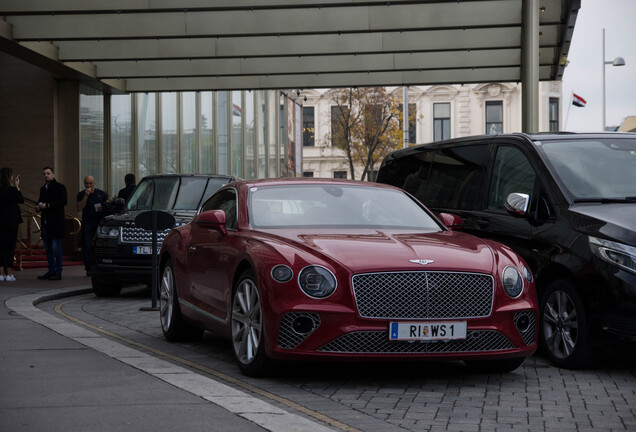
[132, 234]
[423, 295]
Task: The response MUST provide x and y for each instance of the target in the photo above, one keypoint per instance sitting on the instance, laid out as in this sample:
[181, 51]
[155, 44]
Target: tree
[365, 124]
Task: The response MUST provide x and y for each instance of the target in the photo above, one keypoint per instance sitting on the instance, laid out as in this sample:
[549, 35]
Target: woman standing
[10, 218]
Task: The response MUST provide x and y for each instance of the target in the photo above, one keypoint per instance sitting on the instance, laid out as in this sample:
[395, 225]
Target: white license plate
[142, 250]
[427, 331]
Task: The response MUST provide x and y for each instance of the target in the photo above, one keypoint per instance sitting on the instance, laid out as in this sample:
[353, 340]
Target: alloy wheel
[166, 298]
[247, 321]
[560, 324]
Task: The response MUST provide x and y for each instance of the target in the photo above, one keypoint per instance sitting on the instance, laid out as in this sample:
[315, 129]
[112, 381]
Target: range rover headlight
[317, 282]
[614, 253]
[512, 282]
[105, 231]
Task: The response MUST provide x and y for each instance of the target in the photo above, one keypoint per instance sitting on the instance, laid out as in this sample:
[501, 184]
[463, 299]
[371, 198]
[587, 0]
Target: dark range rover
[565, 202]
[122, 251]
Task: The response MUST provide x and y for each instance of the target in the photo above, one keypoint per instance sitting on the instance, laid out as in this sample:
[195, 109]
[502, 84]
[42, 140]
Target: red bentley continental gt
[335, 269]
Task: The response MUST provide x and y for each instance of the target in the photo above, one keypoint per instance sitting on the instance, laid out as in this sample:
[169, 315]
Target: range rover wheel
[172, 324]
[102, 288]
[247, 324]
[565, 329]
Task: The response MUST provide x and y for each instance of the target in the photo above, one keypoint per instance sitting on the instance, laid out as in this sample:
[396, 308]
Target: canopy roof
[181, 45]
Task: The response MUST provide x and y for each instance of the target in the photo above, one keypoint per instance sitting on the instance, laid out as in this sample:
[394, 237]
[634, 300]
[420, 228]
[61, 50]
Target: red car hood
[375, 250]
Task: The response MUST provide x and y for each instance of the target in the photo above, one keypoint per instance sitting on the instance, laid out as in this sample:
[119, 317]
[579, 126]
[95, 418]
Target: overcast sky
[583, 75]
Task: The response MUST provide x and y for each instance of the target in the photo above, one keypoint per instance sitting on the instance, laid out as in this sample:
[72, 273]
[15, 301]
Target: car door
[210, 253]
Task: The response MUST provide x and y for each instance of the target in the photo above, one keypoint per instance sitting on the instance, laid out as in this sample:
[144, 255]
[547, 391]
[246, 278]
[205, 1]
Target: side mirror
[452, 222]
[517, 204]
[118, 205]
[214, 218]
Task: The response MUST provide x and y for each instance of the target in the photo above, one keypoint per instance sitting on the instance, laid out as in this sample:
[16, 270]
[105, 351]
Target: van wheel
[565, 329]
[173, 326]
[105, 289]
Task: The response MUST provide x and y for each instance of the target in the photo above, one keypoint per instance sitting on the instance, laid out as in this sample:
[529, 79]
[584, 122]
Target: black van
[122, 252]
[565, 202]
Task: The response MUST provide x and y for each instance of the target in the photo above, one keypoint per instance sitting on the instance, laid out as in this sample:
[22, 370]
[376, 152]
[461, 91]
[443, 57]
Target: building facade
[441, 112]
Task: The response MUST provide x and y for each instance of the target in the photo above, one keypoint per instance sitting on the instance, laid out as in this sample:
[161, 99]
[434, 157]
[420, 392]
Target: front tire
[247, 324]
[174, 328]
[565, 328]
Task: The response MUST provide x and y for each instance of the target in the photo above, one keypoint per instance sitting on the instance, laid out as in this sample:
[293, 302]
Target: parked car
[122, 251]
[335, 269]
[565, 202]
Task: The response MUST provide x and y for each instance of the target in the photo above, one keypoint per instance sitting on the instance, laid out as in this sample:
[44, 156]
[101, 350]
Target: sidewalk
[58, 376]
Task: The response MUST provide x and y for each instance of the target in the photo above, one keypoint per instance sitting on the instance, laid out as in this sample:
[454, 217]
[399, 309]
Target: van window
[512, 172]
[456, 177]
[408, 172]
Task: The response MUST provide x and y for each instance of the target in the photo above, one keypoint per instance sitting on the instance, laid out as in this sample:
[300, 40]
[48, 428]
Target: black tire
[105, 289]
[173, 326]
[248, 327]
[565, 335]
[495, 366]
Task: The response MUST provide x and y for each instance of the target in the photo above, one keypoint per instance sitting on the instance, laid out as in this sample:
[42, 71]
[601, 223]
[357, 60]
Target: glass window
[441, 121]
[308, 173]
[494, 117]
[261, 134]
[456, 178]
[338, 119]
[147, 134]
[412, 122]
[554, 114]
[512, 172]
[340, 174]
[250, 139]
[222, 143]
[237, 134]
[121, 140]
[224, 200]
[189, 127]
[169, 133]
[272, 128]
[92, 135]
[190, 193]
[207, 134]
[308, 127]
[214, 184]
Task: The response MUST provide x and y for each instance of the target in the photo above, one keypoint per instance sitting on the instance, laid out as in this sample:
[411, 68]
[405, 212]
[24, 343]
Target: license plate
[427, 331]
[142, 250]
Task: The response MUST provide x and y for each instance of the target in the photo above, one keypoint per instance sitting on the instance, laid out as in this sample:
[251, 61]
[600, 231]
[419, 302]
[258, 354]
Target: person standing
[92, 203]
[129, 181]
[51, 203]
[10, 218]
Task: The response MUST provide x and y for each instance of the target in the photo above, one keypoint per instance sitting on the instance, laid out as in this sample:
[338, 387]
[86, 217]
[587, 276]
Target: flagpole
[565, 126]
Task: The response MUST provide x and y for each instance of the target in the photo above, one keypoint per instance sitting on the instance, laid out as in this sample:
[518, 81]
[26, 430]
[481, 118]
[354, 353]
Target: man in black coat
[51, 203]
[125, 193]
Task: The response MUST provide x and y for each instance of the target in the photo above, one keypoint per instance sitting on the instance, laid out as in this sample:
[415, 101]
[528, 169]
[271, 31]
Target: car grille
[132, 234]
[377, 342]
[289, 338]
[423, 295]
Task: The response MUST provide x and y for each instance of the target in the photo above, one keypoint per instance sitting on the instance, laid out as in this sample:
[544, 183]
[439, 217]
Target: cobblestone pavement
[403, 396]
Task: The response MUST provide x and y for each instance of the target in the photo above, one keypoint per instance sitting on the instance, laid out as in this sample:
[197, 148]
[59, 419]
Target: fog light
[523, 323]
[303, 325]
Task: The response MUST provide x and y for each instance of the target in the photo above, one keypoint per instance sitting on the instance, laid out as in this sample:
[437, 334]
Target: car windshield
[328, 205]
[172, 193]
[595, 168]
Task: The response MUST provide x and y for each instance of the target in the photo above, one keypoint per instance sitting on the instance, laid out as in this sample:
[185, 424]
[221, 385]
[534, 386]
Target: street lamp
[618, 61]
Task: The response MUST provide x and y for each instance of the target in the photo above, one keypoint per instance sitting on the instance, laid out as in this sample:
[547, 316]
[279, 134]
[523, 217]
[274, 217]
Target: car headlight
[512, 282]
[107, 231]
[615, 253]
[282, 273]
[317, 282]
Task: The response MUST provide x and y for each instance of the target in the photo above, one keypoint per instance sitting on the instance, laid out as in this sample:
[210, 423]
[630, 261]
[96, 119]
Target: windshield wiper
[606, 200]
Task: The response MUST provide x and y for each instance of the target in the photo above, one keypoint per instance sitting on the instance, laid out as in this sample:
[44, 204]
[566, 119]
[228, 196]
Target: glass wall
[92, 135]
[239, 132]
[121, 148]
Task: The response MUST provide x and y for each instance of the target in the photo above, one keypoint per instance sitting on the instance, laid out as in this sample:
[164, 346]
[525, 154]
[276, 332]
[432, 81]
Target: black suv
[122, 252]
[565, 202]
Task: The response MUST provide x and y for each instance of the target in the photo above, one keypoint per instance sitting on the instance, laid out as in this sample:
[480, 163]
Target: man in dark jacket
[92, 203]
[129, 180]
[51, 203]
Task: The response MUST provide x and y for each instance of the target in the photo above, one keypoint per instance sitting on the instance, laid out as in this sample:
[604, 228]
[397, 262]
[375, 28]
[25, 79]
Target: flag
[578, 100]
[236, 110]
